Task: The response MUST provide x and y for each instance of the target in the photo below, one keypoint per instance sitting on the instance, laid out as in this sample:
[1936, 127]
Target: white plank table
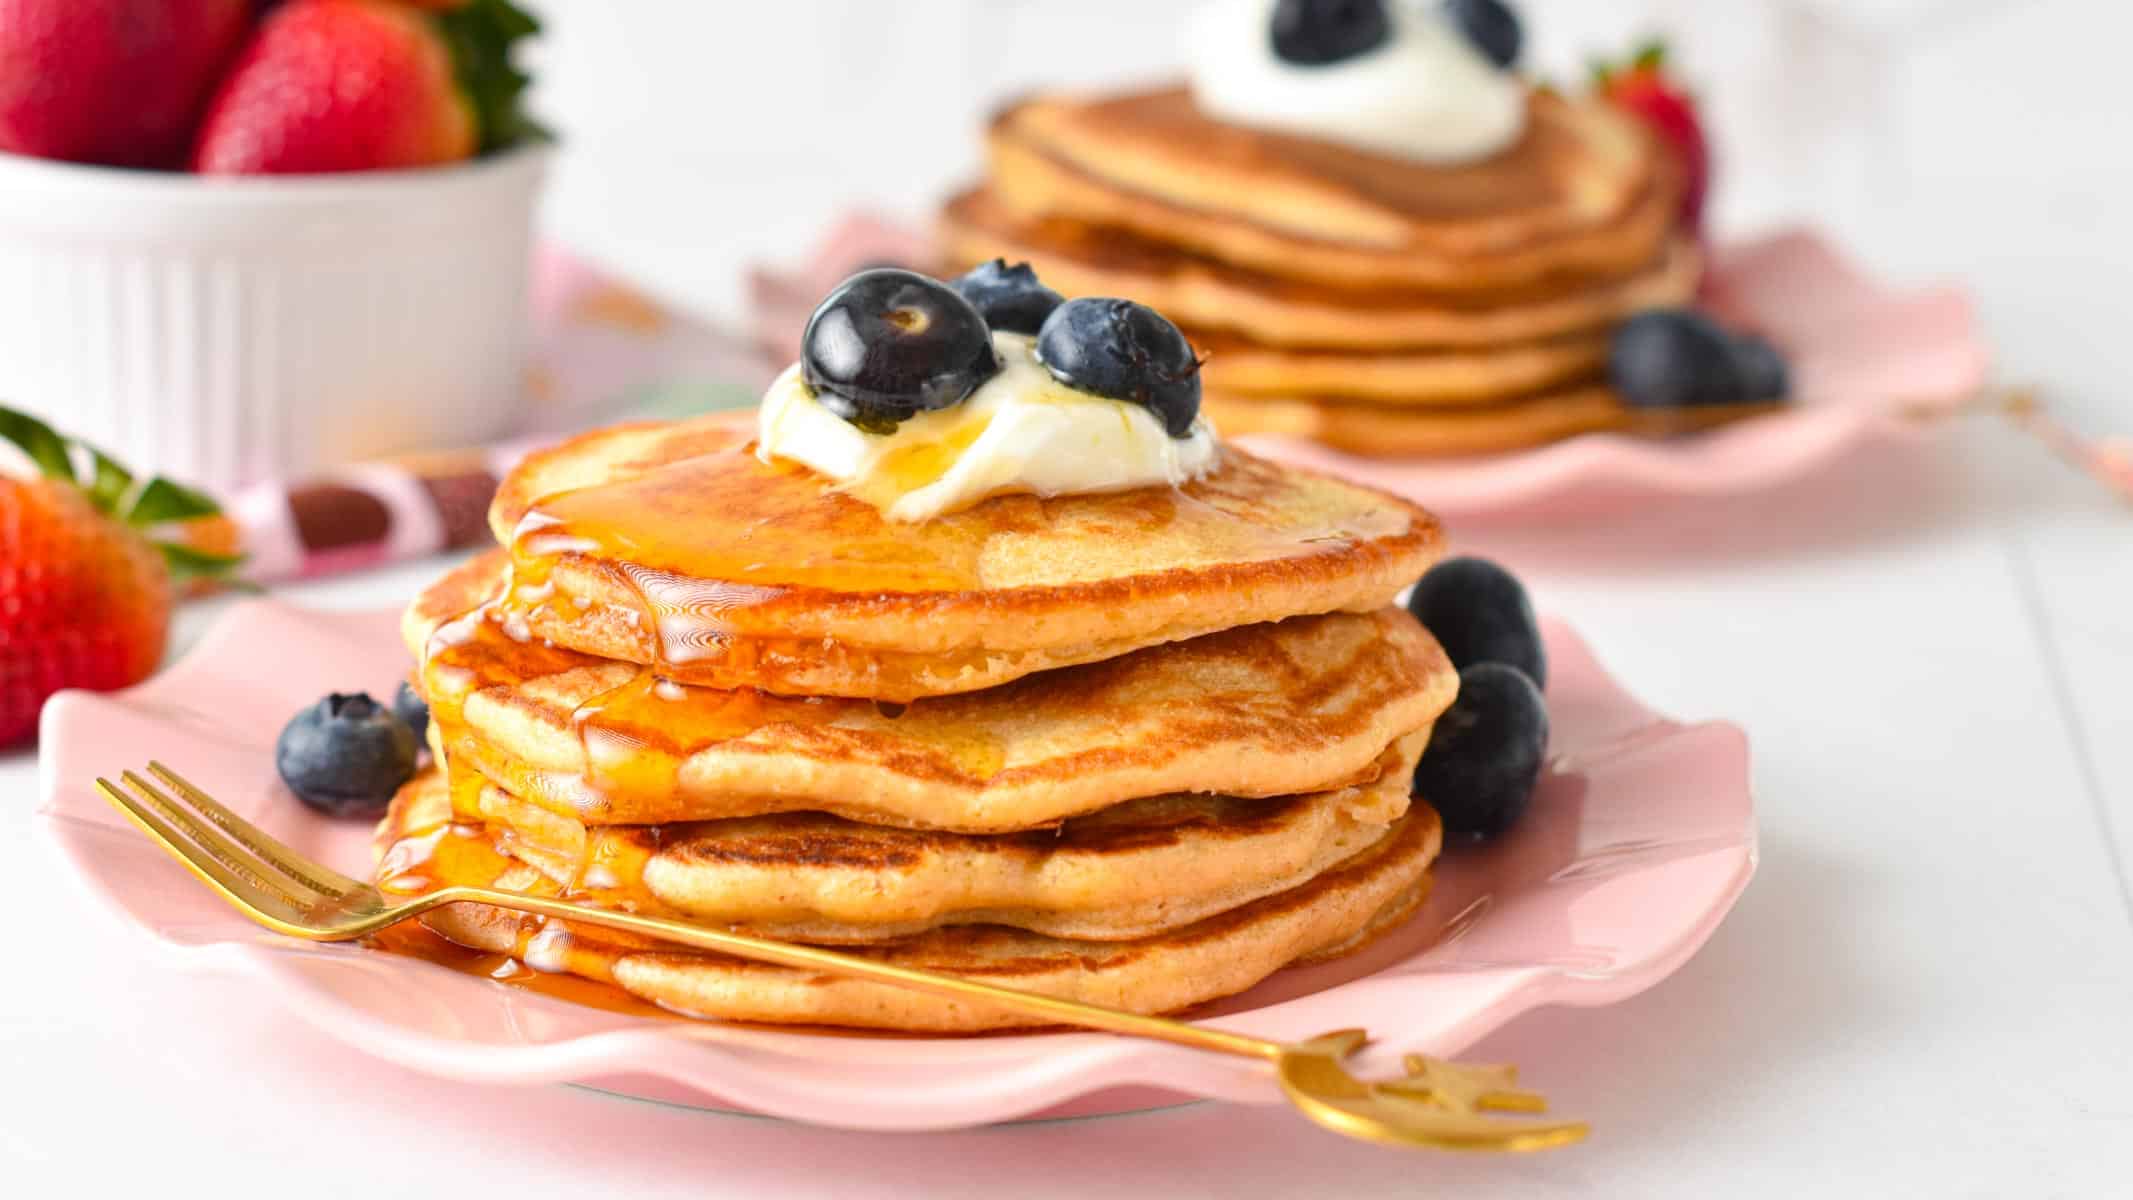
[1926, 987]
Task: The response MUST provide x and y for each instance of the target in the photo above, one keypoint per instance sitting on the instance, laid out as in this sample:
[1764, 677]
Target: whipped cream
[1426, 94]
[1021, 431]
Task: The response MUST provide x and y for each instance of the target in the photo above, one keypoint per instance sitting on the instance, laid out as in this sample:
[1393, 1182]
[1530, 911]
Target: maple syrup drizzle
[412, 940]
[702, 581]
[546, 957]
[694, 599]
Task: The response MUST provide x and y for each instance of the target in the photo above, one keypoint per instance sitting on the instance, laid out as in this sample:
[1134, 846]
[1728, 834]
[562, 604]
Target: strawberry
[1646, 89]
[85, 595]
[120, 82]
[358, 85]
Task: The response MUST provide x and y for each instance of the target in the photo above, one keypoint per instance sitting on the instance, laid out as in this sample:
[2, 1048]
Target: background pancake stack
[1382, 306]
[1142, 748]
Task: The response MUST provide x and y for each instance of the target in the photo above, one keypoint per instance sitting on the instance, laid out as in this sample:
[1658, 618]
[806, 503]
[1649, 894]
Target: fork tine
[260, 874]
[236, 887]
[314, 875]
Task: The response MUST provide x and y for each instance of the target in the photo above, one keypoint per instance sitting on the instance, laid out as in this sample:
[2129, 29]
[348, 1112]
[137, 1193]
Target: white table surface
[1927, 990]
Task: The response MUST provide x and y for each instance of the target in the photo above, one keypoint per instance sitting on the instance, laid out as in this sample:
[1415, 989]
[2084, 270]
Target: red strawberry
[1645, 88]
[85, 596]
[111, 81]
[357, 85]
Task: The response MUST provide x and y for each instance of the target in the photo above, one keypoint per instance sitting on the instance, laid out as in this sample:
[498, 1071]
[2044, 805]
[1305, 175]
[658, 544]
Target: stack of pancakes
[1142, 748]
[1380, 305]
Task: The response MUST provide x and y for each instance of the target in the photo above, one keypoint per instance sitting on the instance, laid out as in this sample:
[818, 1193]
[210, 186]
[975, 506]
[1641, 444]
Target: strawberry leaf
[1650, 56]
[190, 565]
[111, 480]
[482, 35]
[161, 501]
[36, 439]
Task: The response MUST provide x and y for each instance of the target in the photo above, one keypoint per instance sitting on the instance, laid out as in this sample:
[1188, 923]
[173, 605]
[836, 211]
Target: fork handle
[1048, 1010]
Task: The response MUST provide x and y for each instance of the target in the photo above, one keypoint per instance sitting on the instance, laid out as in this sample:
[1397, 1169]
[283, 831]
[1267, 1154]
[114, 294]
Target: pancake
[1389, 432]
[1200, 293]
[671, 545]
[1585, 191]
[1131, 871]
[1400, 380]
[1336, 912]
[1302, 705]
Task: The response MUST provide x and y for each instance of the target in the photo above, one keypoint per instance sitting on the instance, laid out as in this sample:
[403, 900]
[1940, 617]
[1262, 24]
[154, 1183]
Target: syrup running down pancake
[1334, 913]
[672, 546]
[1259, 710]
[1130, 871]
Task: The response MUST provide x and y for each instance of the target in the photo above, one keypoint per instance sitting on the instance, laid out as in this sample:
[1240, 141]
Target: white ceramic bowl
[229, 330]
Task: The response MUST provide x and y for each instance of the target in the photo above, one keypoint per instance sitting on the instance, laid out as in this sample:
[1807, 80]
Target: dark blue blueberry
[1009, 298]
[1486, 752]
[1126, 351]
[413, 710]
[889, 344]
[1480, 613]
[1491, 26]
[346, 755]
[1763, 373]
[1317, 33]
[1674, 358]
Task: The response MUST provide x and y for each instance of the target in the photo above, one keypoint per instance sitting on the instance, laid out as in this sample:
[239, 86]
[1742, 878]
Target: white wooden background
[1927, 991]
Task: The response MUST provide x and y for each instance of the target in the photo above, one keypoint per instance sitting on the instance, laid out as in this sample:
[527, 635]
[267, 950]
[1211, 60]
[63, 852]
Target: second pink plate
[1639, 841]
[1869, 361]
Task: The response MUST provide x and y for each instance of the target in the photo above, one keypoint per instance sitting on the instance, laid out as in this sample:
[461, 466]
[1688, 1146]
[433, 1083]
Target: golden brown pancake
[1275, 709]
[1395, 432]
[671, 545]
[1456, 379]
[1131, 871]
[1585, 191]
[1200, 293]
[1334, 913]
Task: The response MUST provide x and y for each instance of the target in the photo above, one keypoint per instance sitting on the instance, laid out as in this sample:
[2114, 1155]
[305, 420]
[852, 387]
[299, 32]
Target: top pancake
[1585, 190]
[671, 545]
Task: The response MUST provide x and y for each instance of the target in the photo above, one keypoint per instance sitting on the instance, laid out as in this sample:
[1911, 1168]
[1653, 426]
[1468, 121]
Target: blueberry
[1317, 33]
[1763, 373]
[889, 344]
[413, 711]
[346, 755]
[1479, 613]
[1491, 26]
[1009, 298]
[1674, 358]
[1486, 752]
[1126, 351]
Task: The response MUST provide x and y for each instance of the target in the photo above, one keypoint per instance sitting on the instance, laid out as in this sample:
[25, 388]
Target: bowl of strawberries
[251, 239]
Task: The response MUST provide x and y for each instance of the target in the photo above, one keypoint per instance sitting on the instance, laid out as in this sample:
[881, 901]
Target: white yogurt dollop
[1022, 431]
[1426, 94]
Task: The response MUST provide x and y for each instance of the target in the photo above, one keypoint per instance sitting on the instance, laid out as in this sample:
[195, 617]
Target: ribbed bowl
[229, 330]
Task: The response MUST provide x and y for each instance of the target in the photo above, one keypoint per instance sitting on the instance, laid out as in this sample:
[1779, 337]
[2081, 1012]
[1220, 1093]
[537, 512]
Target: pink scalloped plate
[1871, 364]
[1640, 839]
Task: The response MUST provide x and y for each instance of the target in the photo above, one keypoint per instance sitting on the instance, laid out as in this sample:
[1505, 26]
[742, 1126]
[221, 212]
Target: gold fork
[1436, 1104]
